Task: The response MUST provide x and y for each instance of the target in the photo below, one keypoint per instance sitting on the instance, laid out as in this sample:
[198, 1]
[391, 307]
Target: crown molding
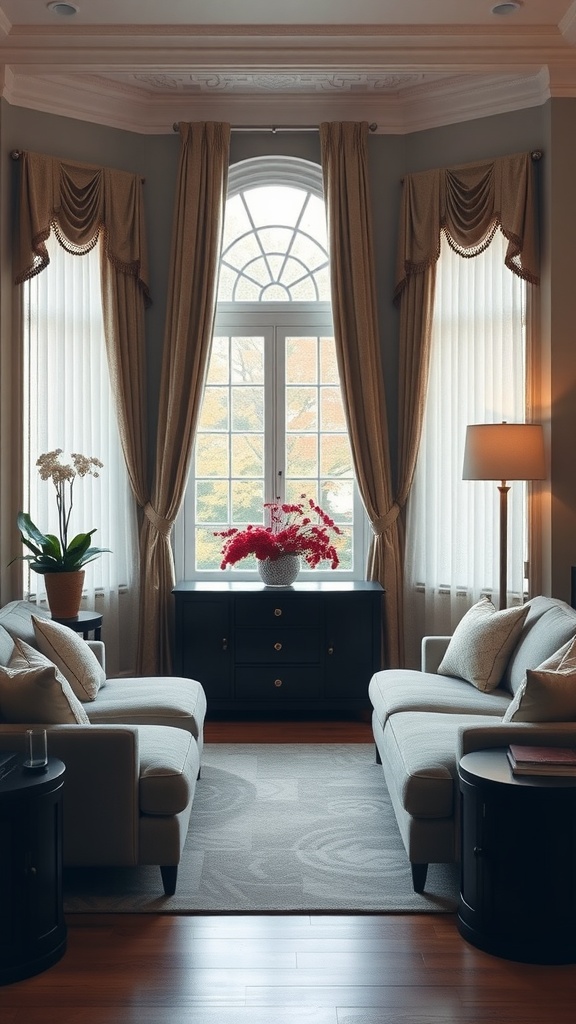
[568, 25]
[428, 105]
[423, 48]
[142, 79]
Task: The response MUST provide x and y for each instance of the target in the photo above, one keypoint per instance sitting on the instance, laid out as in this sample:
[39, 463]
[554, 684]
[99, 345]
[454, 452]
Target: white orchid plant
[49, 552]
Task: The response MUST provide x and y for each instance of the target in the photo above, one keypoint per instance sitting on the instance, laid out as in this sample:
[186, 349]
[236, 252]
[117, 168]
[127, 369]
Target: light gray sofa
[423, 723]
[131, 772]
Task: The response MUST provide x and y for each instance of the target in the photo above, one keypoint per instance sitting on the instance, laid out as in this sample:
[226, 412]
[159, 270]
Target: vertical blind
[68, 405]
[477, 375]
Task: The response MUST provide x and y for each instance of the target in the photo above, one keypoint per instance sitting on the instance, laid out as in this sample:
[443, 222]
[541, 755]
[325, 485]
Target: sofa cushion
[394, 690]
[169, 766]
[77, 663]
[548, 693]
[32, 690]
[16, 618]
[151, 700]
[6, 646]
[482, 644]
[421, 752]
[549, 625]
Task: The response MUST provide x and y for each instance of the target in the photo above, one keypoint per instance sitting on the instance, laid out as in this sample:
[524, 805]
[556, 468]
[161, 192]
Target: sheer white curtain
[477, 375]
[69, 405]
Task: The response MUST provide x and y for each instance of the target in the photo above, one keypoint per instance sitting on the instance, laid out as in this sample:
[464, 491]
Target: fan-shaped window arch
[275, 246]
[272, 422]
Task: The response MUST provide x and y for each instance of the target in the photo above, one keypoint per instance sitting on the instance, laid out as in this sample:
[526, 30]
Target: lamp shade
[504, 451]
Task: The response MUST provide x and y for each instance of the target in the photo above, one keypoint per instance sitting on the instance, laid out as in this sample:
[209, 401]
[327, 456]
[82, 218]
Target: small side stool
[85, 622]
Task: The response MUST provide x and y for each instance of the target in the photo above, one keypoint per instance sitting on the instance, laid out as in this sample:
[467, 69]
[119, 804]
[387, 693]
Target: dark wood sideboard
[308, 647]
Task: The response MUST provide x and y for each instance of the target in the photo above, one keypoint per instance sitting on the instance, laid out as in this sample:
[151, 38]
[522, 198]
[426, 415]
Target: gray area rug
[279, 828]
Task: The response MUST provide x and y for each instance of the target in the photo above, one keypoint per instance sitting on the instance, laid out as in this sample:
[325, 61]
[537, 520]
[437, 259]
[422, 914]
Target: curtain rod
[17, 153]
[277, 128]
[535, 155]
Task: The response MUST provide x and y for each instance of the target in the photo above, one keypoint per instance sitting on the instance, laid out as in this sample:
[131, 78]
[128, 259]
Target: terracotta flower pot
[64, 592]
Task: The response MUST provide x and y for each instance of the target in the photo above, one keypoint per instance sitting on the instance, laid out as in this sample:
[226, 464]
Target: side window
[68, 404]
[272, 423]
[477, 375]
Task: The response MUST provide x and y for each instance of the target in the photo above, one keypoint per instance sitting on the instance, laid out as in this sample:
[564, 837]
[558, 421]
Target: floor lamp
[504, 451]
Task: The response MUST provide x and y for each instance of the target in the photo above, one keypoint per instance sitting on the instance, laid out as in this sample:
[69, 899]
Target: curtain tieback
[381, 524]
[163, 526]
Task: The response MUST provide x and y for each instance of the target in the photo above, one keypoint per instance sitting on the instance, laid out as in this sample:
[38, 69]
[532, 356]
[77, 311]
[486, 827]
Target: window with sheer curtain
[477, 375]
[68, 404]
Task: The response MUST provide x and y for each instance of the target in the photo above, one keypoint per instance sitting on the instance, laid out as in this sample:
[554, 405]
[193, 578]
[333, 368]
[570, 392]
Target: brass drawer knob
[278, 647]
[277, 612]
[277, 682]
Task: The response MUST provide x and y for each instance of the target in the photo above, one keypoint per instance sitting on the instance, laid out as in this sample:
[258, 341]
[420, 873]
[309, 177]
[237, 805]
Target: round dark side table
[85, 622]
[32, 926]
[518, 866]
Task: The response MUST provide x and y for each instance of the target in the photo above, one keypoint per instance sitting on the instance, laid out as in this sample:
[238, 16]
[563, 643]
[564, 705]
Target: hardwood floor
[293, 730]
[368, 969]
[147, 969]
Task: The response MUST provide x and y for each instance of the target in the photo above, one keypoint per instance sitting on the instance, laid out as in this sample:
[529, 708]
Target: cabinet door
[352, 644]
[204, 643]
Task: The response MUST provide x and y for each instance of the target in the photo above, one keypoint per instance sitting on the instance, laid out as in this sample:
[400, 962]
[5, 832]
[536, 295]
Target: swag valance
[469, 203]
[79, 201]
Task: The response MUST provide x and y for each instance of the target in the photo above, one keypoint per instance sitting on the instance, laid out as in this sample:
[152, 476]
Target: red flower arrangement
[292, 531]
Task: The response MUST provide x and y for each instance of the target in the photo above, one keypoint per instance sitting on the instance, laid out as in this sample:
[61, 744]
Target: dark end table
[518, 869]
[85, 622]
[32, 926]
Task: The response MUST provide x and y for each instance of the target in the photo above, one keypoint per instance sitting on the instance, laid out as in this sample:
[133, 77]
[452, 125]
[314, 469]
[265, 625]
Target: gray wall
[548, 127]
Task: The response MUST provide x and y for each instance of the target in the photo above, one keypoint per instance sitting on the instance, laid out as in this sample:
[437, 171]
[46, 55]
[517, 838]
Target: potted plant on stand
[57, 558]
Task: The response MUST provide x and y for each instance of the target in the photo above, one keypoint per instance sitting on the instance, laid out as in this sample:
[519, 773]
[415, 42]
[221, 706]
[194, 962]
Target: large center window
[272, 424]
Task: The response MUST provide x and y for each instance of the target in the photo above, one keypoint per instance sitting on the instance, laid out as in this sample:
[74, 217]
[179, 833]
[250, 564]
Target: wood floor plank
[289, 731]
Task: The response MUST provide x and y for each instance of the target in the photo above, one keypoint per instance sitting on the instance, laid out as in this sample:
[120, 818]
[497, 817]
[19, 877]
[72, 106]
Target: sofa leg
[378, 758]
[419, 872]
[169, 874]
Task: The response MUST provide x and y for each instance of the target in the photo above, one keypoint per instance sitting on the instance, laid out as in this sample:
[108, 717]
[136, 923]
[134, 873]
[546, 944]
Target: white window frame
[275, 319]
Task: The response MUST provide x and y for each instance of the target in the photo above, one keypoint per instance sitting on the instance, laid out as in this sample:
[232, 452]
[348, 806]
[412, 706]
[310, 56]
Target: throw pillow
[548, 694]
[482, 643]
[33, 690]
[72, 655]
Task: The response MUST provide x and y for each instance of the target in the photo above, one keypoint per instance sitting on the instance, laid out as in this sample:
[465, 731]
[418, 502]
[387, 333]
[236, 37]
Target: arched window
[272, 423]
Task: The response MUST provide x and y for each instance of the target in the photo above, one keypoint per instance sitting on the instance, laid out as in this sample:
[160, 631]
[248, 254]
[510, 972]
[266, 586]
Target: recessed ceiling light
[65, 10]
[507, 8]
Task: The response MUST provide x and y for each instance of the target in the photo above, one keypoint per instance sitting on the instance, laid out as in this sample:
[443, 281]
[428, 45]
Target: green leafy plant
[49, 552]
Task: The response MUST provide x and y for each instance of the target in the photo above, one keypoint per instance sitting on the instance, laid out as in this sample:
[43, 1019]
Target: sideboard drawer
[270, 683]
[277, 645]
[312, 646]
[276, 610]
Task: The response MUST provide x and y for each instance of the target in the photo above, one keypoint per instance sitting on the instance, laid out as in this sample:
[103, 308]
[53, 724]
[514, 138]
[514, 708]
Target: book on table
[533, 760]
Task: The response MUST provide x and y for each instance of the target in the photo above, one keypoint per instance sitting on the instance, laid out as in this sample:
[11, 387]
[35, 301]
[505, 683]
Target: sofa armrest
[101, 807]
[501, 734]
[433, 650]
[97, 647]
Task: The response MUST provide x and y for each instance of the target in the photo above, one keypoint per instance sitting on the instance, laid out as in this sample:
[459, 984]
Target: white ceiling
[402, 64]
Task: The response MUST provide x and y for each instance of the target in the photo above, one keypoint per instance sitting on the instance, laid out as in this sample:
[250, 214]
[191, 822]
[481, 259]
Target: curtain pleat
[346, 189]
[197, 234]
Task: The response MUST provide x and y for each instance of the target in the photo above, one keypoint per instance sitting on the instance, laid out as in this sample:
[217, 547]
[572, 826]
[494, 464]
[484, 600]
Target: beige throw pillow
[548, 694]
[77, 663]
[33, 690]
[482, 643]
